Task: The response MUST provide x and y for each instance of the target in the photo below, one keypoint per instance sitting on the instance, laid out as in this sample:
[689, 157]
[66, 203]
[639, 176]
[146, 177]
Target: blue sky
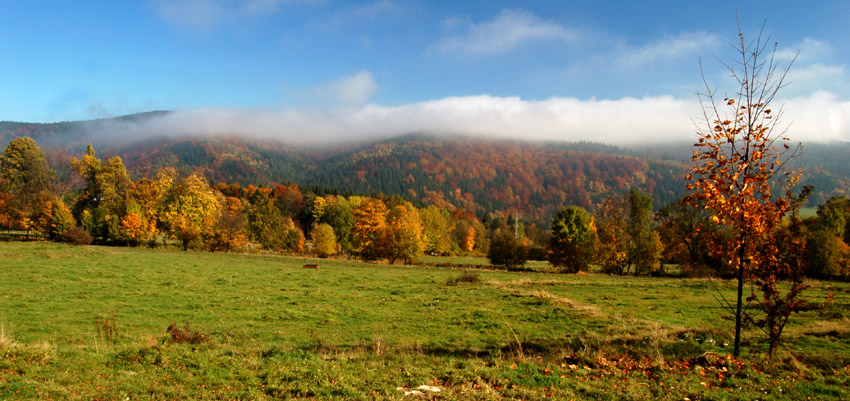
[282, 68]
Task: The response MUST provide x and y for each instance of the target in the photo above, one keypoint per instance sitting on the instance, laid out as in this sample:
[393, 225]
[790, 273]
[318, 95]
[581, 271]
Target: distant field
[808, 212]
[90, 323]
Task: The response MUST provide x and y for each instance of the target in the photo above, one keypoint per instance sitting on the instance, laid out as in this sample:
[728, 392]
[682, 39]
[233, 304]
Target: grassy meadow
[85, 323]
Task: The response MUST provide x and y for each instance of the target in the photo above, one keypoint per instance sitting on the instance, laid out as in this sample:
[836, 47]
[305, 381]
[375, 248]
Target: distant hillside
[479, 175]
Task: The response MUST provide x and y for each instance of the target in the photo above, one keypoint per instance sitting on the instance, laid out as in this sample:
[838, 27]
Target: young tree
[573, 239]
[737, 167]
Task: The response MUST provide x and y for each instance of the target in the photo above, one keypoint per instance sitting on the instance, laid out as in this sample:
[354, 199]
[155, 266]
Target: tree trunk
[739, 313]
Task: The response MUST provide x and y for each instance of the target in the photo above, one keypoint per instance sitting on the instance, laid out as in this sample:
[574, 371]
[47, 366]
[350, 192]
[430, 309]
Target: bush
[506, 251]
[186, 335]
[76, 235]
[827, 256]
[467, 277]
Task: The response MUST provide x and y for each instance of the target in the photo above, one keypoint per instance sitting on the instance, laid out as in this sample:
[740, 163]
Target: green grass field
[86, 323]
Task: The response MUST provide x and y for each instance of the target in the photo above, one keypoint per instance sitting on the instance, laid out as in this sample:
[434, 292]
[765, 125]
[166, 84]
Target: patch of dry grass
[832, 328]
[6, 340]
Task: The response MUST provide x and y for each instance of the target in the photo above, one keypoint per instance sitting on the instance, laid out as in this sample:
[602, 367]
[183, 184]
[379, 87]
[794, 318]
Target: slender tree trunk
[739, 313]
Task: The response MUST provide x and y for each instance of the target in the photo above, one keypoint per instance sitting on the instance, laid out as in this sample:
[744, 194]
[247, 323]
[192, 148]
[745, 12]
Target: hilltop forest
[479, 175]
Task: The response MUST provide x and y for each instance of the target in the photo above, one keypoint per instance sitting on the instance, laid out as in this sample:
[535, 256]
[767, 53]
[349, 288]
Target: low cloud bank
[821, 117]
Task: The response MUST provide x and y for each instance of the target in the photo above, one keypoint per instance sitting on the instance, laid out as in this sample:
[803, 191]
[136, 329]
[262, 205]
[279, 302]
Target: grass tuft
[6, 340]
[467, 277]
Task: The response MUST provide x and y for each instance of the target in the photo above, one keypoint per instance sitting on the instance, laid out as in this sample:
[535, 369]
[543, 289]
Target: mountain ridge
[476, 174]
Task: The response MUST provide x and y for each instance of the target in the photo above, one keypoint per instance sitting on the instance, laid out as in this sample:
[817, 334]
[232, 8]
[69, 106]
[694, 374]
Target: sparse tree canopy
[740, 161]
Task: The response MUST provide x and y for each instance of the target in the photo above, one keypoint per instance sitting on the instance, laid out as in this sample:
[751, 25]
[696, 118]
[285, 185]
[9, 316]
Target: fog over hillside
[627, 121]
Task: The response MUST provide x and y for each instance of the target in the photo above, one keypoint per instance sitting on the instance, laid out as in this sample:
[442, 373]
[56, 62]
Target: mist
[821, 117]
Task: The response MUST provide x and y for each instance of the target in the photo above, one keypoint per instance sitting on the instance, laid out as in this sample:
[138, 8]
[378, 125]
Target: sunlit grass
[353, 330]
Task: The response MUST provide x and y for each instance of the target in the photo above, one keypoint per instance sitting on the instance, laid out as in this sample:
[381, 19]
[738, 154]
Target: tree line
[110, 208]
[621, 235]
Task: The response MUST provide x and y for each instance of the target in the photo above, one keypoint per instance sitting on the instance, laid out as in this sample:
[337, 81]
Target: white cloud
[353, 90]
[814, 77]
[206, 15]
[510, 29]
[806, 51]
[627, 121]
[684, 44]
[820, 117]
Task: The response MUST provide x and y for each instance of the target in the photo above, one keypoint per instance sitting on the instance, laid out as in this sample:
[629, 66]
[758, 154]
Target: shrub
[467, 277]
[506, 251]
[107, 329]
[77, 236]
[185, 335]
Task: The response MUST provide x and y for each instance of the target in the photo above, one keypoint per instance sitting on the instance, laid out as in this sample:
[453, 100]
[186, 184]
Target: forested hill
[479, 175]
[535, 179]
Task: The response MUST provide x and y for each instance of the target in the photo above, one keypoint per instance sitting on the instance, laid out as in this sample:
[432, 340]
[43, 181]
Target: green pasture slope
[84, 323]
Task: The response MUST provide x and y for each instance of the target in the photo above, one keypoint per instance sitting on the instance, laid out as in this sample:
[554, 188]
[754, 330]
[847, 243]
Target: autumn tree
[338, 215]
[102, 202]
[687, 234]
[191, 208]
[370, 218]
[827, 251]
[739, 167]
[401, 238]
[324, 240]
[26, 180]
[573, 238]
[50, 216]
[266, 223]
[627, 238]
[436, 230]
[228, 230]
[468, 233]
[145, 208]
[268, 226]
[24, 170]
